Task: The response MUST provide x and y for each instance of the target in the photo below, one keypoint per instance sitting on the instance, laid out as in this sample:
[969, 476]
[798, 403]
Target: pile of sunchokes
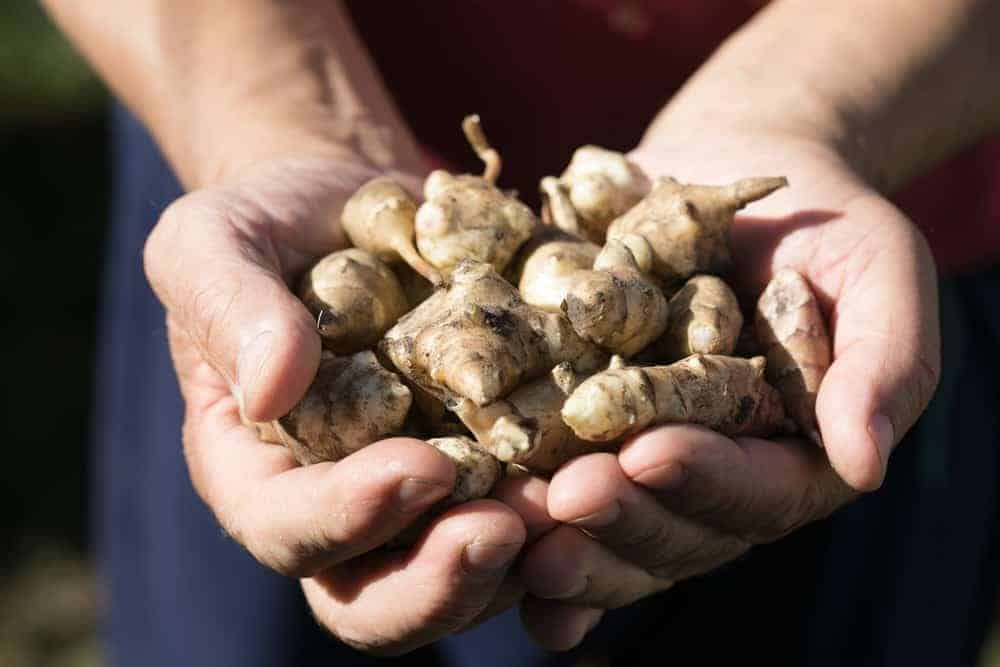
[504, 339]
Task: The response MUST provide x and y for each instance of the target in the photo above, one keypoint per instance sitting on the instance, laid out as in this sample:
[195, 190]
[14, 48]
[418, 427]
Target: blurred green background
[54, 170]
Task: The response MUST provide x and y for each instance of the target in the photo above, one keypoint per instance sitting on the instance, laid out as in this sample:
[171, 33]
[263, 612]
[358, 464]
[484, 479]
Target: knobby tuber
[478, 339]
[687, 226]
[468, 217]
[379, 218]
[704, 317]
[726, 394]
[355, 298]
[526, 428]
[617, 305]
[548, 269]
[791, 330]
[598, 186]
[353, 402]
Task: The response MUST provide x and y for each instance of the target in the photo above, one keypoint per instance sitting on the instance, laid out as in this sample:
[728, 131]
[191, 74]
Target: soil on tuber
[468, 217]
[726, 394]
[598, 186]
[704, 318]
[791, 329]
[355, 298]
[687, 226]
[379, 218]
[479, 340]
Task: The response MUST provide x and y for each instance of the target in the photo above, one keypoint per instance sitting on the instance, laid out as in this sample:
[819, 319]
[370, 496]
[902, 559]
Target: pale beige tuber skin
[687, 226]
[352, 403]
[526, 427]
[791, 329]
[355, 298]
[704, 318]
[617, 305]
[598, 186]
[379, 218]
[468, 217]
[479, 340]
[549, 268]
[725, 394]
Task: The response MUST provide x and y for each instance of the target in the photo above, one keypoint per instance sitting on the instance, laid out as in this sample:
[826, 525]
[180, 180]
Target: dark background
[54, 192]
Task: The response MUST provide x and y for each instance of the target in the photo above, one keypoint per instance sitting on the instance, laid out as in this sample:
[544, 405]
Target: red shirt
[551, 75]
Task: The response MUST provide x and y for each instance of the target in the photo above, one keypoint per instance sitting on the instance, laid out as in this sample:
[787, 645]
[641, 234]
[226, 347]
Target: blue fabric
[904, 576]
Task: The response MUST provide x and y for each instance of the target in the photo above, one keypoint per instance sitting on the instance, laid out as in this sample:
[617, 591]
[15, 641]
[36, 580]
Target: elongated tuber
[617, 305]
[353, 402]
[478, 339]
[704, 317]
[598, 186]
[526, 427]
[379, 218]
[687, 226]
[549, 268]
[468, 217]
[791, 329]
[726, 394]
[355, 298]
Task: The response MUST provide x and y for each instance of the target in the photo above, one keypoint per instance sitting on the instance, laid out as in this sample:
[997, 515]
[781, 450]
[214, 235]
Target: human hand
[221, 260]
[678, 501]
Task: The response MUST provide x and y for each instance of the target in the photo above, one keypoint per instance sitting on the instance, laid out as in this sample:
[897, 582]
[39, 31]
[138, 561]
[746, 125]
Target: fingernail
[488, 558]
[252, 357]
[881, 431]
[601, 518]
[667, 477]
[416, 494]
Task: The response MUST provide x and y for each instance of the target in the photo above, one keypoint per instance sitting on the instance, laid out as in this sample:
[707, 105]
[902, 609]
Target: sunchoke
[704, 317]
[598, 186]
[478, 339]
[526, 427]
[468, 217]
[617, 305]
[687, 226]
[379, 218]
[726, 394]
[353, 402]
[791, 329]
[550, 266]
[355, 298]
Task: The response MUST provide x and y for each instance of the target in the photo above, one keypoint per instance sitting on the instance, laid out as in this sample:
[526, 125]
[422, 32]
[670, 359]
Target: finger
[570, 566]
[510, 593]
[392, 603]
[528, 496]
[298, 520]
[886, 347]
[593, 494]
[757, 489]
[558, 626]
[220, 282]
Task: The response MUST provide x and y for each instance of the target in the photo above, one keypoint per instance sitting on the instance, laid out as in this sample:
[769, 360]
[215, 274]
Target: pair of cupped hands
[607, 529]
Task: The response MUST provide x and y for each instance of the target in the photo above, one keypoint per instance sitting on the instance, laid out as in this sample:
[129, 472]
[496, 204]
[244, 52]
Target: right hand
[220, 259]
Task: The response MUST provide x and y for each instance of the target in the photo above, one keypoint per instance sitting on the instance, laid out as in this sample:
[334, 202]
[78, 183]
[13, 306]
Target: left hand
[678, 501]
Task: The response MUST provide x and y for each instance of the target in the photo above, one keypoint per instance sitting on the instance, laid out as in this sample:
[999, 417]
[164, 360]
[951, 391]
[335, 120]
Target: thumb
[886, 358]
[220, 282]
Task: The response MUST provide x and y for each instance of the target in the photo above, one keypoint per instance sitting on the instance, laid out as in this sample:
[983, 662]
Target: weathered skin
[726, 394]
[791, 329]
[617, 305]
[355, 298]
[379, 218]
[687, 226]
[526, 427]
[547, 268]
[598, 186]
[479, 340]
[468, 217]
[704, 317]
[352, 403]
